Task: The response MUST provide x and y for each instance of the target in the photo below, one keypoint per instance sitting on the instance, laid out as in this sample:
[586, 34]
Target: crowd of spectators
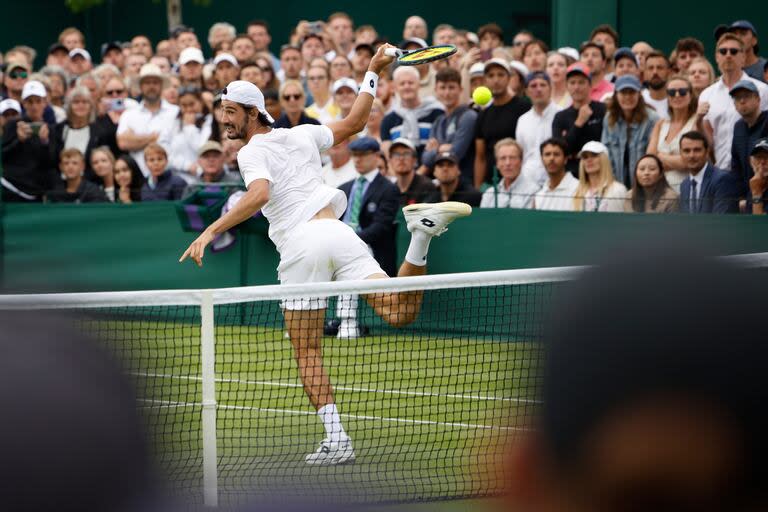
[602, 127]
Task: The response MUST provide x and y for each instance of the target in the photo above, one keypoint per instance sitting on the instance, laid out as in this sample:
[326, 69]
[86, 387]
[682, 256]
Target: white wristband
[369, 84]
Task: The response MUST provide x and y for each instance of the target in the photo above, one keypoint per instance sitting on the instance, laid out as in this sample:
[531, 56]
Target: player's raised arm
[361, 109]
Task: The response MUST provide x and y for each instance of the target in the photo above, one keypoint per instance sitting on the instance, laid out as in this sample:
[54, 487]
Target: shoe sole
[347, 462]
[460, 209]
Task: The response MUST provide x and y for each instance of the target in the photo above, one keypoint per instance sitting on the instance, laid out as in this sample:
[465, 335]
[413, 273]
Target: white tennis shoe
[332, 454]
[433, 218]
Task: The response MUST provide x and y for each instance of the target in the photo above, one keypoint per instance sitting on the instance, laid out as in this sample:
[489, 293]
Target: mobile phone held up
[117, 105]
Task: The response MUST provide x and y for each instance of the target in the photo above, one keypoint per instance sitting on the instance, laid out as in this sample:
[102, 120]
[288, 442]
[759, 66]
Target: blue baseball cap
[760, 145]
[364, 145]
[625, 53]
[537, 75]
[746, 85]
[628, 82]
[740, 24]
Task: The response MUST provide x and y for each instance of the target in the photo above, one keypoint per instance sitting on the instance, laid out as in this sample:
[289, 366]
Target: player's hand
[196, 251]
[380, 61]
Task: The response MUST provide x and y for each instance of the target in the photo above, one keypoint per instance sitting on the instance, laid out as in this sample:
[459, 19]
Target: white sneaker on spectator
[332, 453]
[432, 218]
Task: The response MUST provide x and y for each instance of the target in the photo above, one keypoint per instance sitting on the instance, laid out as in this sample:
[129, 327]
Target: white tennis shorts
[322, 250]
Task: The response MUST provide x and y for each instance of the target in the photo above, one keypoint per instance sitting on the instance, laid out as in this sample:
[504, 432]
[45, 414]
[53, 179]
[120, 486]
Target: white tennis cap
[497, 61]
[191, 54]
[344, 82]
[9, 104]
[594, 147]
[226, 57]
[33, 88]
[245, 93]
[79, 52]
[477, 69]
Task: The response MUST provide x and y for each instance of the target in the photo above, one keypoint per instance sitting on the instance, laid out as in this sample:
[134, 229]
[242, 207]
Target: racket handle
[393, 52]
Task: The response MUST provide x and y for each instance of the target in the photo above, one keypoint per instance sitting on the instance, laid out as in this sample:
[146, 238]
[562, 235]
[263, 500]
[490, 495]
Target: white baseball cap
[226, 57]
[79, 52]
[245, 93]
[477, 69]
[9, 104]
[33, 88]
[570, 52]
[191, 54]
[594, 147]
[344, 82]
[520, 68]
[150, 70]
[497, 61]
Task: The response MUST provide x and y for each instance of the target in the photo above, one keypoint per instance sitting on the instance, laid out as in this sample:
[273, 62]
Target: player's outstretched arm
[251, 202]
[361, 109]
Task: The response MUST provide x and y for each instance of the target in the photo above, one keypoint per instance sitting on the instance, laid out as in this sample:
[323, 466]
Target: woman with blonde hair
[598, 190]
[76, 130]
[701, 74]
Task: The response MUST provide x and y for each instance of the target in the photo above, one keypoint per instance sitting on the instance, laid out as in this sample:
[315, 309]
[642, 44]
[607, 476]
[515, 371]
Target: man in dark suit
[707, 189]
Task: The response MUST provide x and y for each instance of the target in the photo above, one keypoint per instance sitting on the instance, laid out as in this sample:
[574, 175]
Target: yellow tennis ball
[482, 95]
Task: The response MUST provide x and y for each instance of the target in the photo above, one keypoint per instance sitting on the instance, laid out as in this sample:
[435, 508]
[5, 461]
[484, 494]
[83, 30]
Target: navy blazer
[377, 220]
[719, 192]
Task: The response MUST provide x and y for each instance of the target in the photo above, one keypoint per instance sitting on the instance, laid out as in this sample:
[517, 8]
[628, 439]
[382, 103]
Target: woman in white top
[665, 138]
[103, 165]
[324, 109]
[598, 190]
[192, 130]
[75, 131]
[557, 64]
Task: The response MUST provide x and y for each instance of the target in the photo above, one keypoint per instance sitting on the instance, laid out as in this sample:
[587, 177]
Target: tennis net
[429, 406]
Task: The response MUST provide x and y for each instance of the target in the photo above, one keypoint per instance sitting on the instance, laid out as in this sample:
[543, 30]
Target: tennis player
[281, 169]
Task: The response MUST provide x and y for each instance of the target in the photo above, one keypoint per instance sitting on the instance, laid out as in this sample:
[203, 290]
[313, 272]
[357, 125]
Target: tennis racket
[422, 55]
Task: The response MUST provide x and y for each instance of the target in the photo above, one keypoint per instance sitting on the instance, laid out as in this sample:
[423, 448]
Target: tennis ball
[482, 95]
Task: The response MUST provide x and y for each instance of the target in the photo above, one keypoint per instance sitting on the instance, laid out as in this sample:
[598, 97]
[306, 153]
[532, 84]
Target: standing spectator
[72, 38]
[598, 190]
[651, 193]
[451, 188]
[514, 190]
[185, 37]
[72, 187]
[657, 71]
[415, 26]
[324, 109]
[721, 117]
[702, 75]
[342, 31]
[496, 122]
[115, 101]
[521, 39]
[291, 64]
[687, 49]
[258, 31]
[665, 138]
[57, 78]
[385, 91]
[128, 180]
[221, 32]
[15, 77]
[251, 72]
[103, 166]
[268, 75]
[517, 78]
[593, 56]
[444, 34]
[76, 131]
[757, 201]
[557, 65]
[161, 184]
[366, 34]
[754, 65]
[58, 55]
[707, 189]
[535, 126]
[641, 49]
[413, 187]
[191, 130]
[455, 129]
[607, 37]
[151, 122]
[625, 63]
[583, 120]
[557, 193]
[752, 127]
[311, 48]
[627, 128]
[26, 155]
[535, 55]
[344, 95]
[413, 118]
[491, 37]
[191, 62]
[292, 101]
[341, 168]
[227, 69]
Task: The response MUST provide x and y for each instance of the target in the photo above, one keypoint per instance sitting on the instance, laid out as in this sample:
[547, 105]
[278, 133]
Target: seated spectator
[341, 168]
[413, 187]
[707, 189]
[657, 71]
[453, 130]
[598, 190]
[757, 201]
[57, 79]
[385, 92]
[344, 95]
[701, 74]
[651, 193]
[10, 110]
[73, 188]
[80, 62]
[557, 65]
[191, 63]
[687, 49]
[492, 36]
[26, 153]
[593, 56]
[76, 131]
[754, 65]
[211, 162]
[583, 120]
[129, 180]
[450, 186]
[752, 127]
[535, 126]
[162, 184]
[414, 117]
[684, 116]
[373, 125]
[15, 78]
[627, 128]
[626, 63]
[514, 190]
[103, 167]
[535, 55]
[324, 109]
[292, 101]
[557, 193]
[496, 122]
[190, 131]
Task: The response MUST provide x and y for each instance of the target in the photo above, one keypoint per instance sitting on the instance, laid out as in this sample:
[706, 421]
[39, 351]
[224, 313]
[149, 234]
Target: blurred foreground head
[654, 390]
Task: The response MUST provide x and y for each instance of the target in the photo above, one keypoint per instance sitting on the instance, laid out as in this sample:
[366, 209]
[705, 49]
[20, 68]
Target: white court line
[167, 404]
[345, 388]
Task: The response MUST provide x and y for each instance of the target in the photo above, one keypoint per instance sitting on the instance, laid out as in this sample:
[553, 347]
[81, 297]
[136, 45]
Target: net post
[208, 361]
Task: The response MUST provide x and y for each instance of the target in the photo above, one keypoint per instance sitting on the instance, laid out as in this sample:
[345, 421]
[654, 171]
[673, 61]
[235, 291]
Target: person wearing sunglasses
[15, 76]
[752, 127]
[114, 102]
[292, 102]
[721, 118]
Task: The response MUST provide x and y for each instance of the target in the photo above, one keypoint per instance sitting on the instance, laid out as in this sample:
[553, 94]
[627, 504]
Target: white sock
[417, 249]
[329, 415]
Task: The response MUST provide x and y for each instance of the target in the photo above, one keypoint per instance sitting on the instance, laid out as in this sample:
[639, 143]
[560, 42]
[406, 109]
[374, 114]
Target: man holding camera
[27, 168]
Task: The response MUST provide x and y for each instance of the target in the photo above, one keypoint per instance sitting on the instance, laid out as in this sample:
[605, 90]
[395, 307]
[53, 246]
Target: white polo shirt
[722, 116]
[533, 129]
[519, 194]
[143, 122]
[558, 199]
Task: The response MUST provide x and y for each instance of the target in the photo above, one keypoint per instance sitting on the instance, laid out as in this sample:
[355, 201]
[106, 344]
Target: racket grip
[393, 52]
